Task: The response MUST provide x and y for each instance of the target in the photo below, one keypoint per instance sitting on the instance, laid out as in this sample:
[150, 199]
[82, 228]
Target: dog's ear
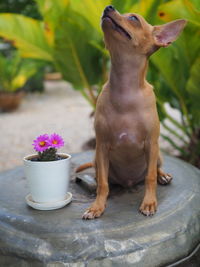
[167, 33]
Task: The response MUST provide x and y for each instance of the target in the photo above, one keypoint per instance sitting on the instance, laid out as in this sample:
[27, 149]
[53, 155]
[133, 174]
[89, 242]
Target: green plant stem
[82, 75]
[174, 133]
[90, 94]
[171, 119]
[185, 112]
[93, 99]
[182, 151]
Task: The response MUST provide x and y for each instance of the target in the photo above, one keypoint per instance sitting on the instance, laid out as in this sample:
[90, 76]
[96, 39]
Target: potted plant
[48, 174]
[14, 73]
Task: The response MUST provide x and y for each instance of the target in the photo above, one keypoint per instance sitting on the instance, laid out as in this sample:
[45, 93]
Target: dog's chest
[125, 133]
[127, 155]
[123, 126]
[126, 136]
[124, 140]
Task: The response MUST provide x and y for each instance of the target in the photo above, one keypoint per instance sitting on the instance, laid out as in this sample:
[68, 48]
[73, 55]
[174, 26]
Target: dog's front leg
[149, 204]
[102, 166]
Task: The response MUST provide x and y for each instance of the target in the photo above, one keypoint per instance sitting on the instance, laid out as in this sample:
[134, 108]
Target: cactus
[48, 155]
[46, 146]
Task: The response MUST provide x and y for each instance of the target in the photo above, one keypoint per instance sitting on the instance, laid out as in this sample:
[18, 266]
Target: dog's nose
[108, 9]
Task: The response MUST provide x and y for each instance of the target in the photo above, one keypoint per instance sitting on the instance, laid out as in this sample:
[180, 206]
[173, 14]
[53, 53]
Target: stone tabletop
[121, 237]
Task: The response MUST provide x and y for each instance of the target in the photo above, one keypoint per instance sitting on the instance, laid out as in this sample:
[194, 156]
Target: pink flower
[56, 141]
[41, 143]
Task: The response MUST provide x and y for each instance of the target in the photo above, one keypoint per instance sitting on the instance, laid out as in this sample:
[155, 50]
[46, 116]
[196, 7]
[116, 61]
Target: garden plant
[47, 146]
[48, 167]
[69, 36]
[15, 72]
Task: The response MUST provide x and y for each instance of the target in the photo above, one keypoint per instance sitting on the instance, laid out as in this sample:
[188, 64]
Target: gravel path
[60, 109]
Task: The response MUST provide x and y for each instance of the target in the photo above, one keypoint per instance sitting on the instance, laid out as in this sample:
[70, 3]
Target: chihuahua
[126, 119]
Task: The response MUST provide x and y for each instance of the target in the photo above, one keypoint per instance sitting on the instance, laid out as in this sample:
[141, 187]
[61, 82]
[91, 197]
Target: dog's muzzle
[107, 10]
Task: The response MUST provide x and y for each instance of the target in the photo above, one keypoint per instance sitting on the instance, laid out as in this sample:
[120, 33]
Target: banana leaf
[123, 6]
[51, 12]
[180, 9]
[193, 88]
[78, 60]
[27, 34]
[147, 8]
[91, 10]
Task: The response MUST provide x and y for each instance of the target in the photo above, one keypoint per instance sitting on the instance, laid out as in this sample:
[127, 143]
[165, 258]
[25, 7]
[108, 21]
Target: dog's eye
[134, 18]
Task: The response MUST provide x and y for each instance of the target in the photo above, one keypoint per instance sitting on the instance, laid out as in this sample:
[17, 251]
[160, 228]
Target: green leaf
[193, 88]
[26, 70]
[51, 12]
[15, 71]
[146, 8]
[168, 64]
[27, 35]
[176, 9]
[91, 10]
[78, 60]
[123, 6]
[5, 75]
[193, 84]
[100, 47]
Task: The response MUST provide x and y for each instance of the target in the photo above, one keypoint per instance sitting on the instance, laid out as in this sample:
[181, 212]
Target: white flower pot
[48, 180]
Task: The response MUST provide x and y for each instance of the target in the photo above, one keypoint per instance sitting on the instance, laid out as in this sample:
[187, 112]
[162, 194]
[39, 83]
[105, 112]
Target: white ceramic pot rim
[27, 158]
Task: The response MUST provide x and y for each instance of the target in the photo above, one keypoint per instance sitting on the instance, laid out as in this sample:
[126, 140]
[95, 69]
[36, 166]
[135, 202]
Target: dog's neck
[127, 74]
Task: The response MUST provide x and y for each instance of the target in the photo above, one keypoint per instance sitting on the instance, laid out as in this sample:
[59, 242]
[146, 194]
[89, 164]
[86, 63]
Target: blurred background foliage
[25, 7]
[15, 71]
[67, 35]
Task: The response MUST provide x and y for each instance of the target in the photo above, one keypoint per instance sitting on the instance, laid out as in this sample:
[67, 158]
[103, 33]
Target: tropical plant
[64, 37]
[47, 146]
[25, 7]
[177, 69]
[15, 72]
[70, 37]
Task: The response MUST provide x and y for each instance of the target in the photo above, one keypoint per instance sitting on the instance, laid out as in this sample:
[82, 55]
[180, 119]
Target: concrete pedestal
[121, 237]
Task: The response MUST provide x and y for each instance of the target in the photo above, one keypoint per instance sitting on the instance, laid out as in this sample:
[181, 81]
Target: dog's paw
[164, 178]
[92, 213]
[148, 207]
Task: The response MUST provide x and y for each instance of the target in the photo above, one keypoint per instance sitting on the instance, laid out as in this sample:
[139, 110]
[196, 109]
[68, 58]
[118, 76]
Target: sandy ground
[60, 109]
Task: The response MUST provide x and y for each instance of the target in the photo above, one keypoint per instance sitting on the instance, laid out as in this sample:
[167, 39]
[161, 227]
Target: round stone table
[121, 237]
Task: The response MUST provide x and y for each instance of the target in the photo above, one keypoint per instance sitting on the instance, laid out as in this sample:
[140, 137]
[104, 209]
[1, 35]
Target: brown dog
[126, 119]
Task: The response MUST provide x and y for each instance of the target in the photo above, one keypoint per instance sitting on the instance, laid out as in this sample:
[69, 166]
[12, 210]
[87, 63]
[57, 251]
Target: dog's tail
[85, 166]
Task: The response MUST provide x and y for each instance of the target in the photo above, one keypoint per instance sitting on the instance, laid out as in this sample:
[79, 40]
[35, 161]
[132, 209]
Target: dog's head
[130, 32]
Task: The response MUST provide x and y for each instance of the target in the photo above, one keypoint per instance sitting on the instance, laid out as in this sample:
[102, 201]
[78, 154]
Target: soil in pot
[36, 158]
[10, 101]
